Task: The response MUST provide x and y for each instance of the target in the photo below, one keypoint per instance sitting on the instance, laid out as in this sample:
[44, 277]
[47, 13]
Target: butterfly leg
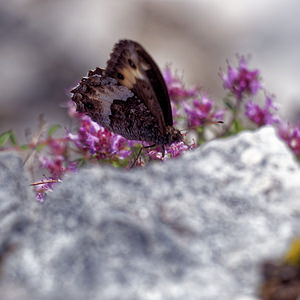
[163, 150]
[139, 154]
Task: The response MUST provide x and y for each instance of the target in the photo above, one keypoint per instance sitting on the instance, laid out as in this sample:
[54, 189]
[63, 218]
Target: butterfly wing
[95, 95]
[134, 68]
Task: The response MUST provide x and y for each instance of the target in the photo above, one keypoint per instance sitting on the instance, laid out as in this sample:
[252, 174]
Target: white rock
[197, 227]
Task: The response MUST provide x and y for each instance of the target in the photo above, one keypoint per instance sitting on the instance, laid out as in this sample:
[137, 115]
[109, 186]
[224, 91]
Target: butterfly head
[173, 135]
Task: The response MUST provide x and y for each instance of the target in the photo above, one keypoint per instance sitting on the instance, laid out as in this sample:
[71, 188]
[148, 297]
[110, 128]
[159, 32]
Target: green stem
[32, 145]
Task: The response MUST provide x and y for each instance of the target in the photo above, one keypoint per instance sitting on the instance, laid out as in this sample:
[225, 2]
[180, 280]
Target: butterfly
[129, 97]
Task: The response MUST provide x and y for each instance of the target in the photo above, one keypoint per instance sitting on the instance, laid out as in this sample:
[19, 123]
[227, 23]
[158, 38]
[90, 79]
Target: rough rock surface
[193, 228]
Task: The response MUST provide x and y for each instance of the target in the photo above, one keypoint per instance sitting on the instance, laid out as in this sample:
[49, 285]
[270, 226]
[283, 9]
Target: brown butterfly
[129, 97]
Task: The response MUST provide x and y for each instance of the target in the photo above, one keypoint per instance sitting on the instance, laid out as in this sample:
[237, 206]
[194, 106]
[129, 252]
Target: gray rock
[196, 227]
[14, 216]
[13, 198]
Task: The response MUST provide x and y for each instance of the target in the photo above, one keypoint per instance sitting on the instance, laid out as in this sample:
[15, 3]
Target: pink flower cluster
[262, 116]
[57, 165]
[55, 162]
[201, 112]
[172, 151]
[177, 90]
[96, 141]
[241, 81]
[291, 135]
[44, 187]
[189, 104]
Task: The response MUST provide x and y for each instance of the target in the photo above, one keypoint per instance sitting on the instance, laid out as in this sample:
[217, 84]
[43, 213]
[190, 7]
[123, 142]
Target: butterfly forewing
[134, 68]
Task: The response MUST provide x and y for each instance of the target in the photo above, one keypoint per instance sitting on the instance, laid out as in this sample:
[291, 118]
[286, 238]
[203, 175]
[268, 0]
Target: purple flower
[177, 149]
[291, 135]
[262, 116]
[219, 115]
[120, 147]
[201, 112]
[241, 80]
[175, 111]
[55, 162]
[43, 187]
[156, 154]
[176, 88]
[57, 147]
[97, 141]
[173, 150]
[170, 79]
[72, 110]
[55, 165]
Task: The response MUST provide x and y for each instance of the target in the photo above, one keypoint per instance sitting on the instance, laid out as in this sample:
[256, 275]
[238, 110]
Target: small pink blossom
[176, 88]
[262, 116]
[177, 149]
[175, 111]
[55, 165]
[201, 112]
[171, 151]
[241, 80]
[57, 147]
[43, 187]
[156, 154]
[169, 78]
[97, 141]
[291, 135]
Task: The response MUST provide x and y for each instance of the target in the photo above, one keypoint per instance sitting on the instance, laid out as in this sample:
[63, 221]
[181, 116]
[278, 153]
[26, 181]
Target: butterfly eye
[131, 64]
[120, 76]
[89, 105]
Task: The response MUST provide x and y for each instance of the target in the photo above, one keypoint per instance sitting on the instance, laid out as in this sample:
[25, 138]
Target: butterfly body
[129, 97]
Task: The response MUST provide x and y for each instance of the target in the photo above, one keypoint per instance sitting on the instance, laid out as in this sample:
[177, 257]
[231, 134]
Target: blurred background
[47, 46]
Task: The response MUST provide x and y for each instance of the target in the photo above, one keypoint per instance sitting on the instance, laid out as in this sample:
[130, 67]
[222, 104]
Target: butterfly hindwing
[95, 95]
[134, 68]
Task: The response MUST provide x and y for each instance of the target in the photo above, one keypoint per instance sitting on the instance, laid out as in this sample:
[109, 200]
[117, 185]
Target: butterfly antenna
[215, 122]
[206, 122]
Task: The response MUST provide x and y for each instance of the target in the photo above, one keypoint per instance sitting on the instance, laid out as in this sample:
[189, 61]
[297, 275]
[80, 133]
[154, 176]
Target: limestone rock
[196, 227]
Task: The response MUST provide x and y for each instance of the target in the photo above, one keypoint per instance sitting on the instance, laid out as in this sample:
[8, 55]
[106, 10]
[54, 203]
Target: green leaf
[53, 129]
[116, 163]
[229, 105]
[80, 161]
[8, 135]
[12, 138]
[4, 137]
[237, 126]
[200, 129]
[40, 147]
[24, 147]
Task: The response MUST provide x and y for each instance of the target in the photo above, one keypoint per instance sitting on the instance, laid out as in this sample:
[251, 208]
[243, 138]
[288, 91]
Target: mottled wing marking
[95, 95]
[130, 77]
[133, 67]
